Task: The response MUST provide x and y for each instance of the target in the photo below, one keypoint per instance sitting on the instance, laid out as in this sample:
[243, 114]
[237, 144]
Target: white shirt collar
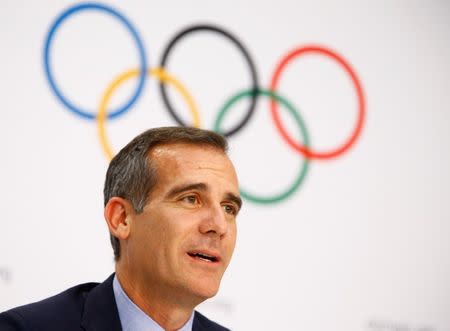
[133, 318]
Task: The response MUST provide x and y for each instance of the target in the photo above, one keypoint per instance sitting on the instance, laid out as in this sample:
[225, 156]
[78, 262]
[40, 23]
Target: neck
[170, 313]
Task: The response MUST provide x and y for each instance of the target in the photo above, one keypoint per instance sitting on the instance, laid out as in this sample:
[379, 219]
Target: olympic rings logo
[254, 92]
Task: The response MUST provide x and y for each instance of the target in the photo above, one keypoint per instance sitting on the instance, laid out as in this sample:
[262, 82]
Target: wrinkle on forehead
[173, 149]
[172, 156]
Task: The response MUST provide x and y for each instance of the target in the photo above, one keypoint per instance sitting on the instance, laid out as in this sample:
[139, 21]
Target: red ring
[307, 152]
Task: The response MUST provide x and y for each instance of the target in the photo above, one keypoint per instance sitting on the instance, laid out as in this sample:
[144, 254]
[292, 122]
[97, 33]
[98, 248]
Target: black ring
[195, 28]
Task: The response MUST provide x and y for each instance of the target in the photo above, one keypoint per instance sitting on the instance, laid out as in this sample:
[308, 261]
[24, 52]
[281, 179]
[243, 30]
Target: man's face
[183, 241]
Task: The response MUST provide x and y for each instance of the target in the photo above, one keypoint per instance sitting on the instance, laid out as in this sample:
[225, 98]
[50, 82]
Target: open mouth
[203, 256]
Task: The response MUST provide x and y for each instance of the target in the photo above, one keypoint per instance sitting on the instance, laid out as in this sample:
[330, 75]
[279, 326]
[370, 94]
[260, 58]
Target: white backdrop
[363, 244]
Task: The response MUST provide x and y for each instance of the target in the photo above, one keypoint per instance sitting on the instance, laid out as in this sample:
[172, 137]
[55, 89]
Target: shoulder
[203, 323]
[53, 313]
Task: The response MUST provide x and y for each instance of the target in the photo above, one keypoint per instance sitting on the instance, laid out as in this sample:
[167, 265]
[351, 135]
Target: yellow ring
[161, 75]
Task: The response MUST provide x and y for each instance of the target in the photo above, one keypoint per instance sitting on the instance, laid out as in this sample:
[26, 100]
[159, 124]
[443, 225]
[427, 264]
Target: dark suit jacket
[89, 307]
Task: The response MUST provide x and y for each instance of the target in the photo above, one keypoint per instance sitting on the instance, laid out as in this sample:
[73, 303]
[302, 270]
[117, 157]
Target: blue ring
[143, 68]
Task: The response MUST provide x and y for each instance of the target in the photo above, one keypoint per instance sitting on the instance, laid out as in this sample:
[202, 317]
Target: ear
[117, 215]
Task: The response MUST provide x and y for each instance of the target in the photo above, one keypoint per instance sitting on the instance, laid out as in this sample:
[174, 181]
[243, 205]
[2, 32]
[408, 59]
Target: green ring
[304, 132]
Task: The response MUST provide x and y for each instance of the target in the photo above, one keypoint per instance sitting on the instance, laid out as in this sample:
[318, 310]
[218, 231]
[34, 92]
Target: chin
[205, 288]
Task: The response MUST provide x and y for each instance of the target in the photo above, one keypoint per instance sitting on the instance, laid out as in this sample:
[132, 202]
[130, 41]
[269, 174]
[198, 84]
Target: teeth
[204, 257]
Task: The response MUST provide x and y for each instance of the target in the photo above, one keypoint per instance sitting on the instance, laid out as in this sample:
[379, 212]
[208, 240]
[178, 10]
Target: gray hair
[131, 174]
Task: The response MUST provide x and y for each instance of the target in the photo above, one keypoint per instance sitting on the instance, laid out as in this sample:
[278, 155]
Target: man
[171, 201]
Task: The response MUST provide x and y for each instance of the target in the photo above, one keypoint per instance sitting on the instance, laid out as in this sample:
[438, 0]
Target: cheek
[232, 234]
[150, 233]
[174, 230]
[148, 240]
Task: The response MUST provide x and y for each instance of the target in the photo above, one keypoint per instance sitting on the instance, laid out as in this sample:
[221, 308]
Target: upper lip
[206, 252]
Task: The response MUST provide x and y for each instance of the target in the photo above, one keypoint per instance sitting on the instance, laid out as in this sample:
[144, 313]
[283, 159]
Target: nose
[214, 222]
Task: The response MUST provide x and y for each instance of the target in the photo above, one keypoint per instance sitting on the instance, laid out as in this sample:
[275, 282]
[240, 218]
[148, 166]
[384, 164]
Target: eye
[191, 199]
[230, 209]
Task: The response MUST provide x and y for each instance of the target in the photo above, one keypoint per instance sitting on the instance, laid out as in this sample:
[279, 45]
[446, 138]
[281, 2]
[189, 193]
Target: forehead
[191, 162]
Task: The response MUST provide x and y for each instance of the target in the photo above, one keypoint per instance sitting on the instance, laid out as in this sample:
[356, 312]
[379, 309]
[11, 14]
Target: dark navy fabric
[88, 307]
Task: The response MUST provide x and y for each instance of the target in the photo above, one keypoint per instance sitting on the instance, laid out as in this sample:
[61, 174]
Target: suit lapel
[197, 324]
[100, 309]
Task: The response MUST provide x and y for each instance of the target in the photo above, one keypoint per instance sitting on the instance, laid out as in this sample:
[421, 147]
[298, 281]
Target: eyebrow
[236, 199]
[186, 187]
[201, 187]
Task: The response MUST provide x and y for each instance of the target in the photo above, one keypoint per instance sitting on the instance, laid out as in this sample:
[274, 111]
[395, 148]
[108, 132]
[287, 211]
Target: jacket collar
[100, 309]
